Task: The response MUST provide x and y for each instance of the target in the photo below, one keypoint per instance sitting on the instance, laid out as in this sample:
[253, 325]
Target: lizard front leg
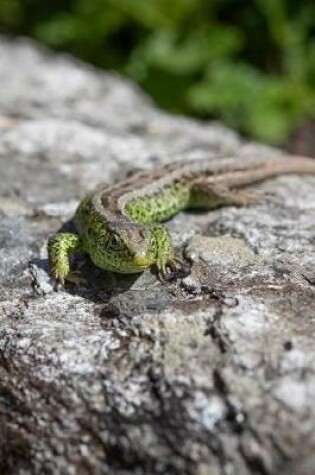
[166, 259]
[59, 249]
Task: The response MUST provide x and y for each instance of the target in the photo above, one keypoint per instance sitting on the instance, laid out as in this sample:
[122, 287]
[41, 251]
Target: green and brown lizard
[120, 226]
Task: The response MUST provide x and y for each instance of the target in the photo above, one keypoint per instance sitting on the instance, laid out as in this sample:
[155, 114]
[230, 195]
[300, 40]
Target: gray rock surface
[212, 374]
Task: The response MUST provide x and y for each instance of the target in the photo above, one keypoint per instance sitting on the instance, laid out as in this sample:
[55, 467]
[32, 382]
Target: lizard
[120, 226]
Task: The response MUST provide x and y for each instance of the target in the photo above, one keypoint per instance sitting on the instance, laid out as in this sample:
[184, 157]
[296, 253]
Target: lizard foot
[74, 277]
[168, 267]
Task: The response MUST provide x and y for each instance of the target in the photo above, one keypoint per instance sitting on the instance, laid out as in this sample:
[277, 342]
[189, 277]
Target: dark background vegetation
[248, 63]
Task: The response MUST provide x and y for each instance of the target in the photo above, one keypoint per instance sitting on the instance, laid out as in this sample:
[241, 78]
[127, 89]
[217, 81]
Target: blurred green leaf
[186, 54]
[264, 107]
[10, 13]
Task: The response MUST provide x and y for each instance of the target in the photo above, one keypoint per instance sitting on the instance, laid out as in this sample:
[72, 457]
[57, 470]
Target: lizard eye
[142, 233]
[115, 245]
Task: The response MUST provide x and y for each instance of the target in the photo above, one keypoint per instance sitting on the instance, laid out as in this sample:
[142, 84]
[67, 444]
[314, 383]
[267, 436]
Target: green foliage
[265, 107]
[250, 64]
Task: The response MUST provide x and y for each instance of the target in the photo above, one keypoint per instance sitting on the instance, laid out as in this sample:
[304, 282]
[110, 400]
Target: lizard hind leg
[209, 196]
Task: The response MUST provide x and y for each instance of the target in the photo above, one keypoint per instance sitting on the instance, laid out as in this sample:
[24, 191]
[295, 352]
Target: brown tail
[268, 168]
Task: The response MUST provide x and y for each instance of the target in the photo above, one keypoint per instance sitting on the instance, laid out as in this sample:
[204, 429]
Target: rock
[212, 373]
[223, 251]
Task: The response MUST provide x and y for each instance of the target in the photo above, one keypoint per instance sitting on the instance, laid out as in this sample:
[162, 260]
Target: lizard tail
[271, 167]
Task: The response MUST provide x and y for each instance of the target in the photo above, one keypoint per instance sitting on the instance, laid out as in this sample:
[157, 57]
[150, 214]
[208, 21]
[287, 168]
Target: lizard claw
[75, 278]
[167, 268]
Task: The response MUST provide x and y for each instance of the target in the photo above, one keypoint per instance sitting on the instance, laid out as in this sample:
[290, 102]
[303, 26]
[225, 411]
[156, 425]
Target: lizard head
[130, 246]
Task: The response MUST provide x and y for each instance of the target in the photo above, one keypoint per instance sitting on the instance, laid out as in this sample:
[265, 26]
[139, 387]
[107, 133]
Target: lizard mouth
[141, 262]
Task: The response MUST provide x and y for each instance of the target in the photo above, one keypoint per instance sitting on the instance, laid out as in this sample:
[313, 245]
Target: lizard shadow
[101, 286]
[97, 284]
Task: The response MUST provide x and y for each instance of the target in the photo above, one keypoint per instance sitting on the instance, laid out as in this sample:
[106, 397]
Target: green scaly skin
[119, 227]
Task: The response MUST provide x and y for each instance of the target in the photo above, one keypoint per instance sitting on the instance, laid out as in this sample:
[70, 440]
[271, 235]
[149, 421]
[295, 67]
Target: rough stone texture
[212, 374]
